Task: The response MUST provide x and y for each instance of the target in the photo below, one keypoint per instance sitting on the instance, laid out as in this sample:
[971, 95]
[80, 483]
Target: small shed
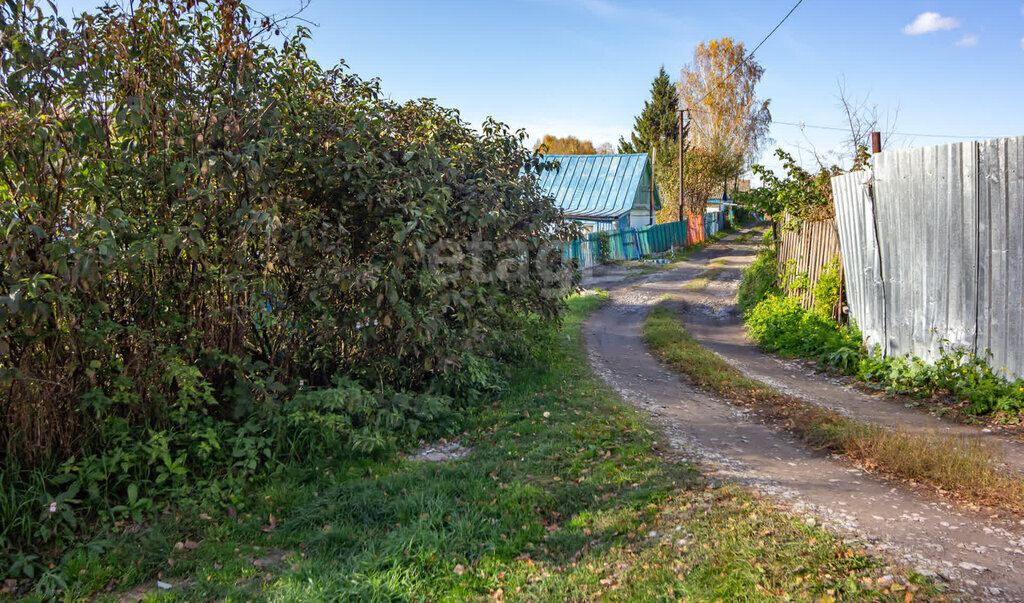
[604, 192]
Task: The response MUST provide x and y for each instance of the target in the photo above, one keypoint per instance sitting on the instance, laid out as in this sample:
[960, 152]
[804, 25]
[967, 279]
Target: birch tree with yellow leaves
[726, 117]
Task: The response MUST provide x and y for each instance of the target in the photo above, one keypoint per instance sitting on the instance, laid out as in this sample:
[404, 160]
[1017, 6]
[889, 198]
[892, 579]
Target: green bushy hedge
[219, 255]
[780, 324]
[761, 278]
[186, 198]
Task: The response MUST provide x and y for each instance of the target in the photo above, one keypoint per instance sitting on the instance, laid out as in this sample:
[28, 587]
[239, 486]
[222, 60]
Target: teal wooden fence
[636, 243]
[661, 237]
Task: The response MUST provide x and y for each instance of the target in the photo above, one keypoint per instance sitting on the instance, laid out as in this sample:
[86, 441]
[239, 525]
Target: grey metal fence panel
[948, 266]
[1015, 248]
[861, 265]
[1000, 202]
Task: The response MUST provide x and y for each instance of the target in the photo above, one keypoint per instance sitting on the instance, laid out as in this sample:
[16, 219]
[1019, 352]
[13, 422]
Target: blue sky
[584, 67]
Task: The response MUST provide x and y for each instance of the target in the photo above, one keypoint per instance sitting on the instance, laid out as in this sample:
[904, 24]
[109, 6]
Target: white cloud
[968, 41]
[929, 22]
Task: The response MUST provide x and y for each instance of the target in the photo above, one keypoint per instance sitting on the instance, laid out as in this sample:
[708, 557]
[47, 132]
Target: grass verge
[743, 238]
[563, 496]
[967, 469]
[703, 280]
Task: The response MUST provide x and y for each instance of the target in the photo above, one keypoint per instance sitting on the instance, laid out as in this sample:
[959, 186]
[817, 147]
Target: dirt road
[978, 553]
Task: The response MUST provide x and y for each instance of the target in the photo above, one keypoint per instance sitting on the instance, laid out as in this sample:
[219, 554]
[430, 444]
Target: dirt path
[714, 321]
[980, 554]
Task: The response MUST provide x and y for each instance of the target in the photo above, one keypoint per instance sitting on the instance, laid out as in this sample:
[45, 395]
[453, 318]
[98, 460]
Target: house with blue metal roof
[604, 192]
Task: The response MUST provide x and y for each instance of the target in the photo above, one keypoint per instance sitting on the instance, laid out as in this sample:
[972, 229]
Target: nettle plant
[197, 216]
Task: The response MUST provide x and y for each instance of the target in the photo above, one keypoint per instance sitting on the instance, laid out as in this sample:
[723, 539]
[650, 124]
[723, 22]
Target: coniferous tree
[657, 126]
[656, 130]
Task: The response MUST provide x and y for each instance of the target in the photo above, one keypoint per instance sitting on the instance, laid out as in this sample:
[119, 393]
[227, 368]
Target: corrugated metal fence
[808, 249]
[933, 243]
[635, 243]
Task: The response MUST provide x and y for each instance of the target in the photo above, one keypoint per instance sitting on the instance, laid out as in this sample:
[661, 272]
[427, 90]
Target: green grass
[743, 238]
[967, 469]
[704, 279]
[760, 279]
[637, 268]
[565, 496]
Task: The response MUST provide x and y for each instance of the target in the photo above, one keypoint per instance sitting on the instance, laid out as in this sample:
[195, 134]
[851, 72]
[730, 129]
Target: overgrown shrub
[963, 374]
[761, 278]
[332, 421]
[199, 461]
[827, 289]
[780, 324]
[197, 214]
[604, 248]
[197, 219]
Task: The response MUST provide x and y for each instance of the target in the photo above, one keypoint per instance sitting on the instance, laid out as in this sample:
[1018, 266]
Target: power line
[751, 55]
[802, 125]
[799, 2]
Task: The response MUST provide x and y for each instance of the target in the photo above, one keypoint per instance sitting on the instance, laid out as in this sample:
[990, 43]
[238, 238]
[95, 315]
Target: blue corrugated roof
[597, 186]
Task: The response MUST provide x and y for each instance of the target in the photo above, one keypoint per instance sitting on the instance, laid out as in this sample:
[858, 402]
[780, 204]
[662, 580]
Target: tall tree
[702, 177]
[657, 126]
[726, 117]
[570, 145]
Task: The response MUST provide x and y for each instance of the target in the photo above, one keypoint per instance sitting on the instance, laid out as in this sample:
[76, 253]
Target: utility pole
[682, 155]
[876, 142]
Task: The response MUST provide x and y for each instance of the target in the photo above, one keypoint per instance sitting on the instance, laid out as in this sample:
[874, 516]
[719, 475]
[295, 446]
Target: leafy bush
[970, 376]
[604, 248]
[761, 278]
[958, 371]
[780, 324]
[742, 216]
[204, 228]
[799, 195]
[197, 217]
[333, 421]
[827, 289]
[200, 458]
